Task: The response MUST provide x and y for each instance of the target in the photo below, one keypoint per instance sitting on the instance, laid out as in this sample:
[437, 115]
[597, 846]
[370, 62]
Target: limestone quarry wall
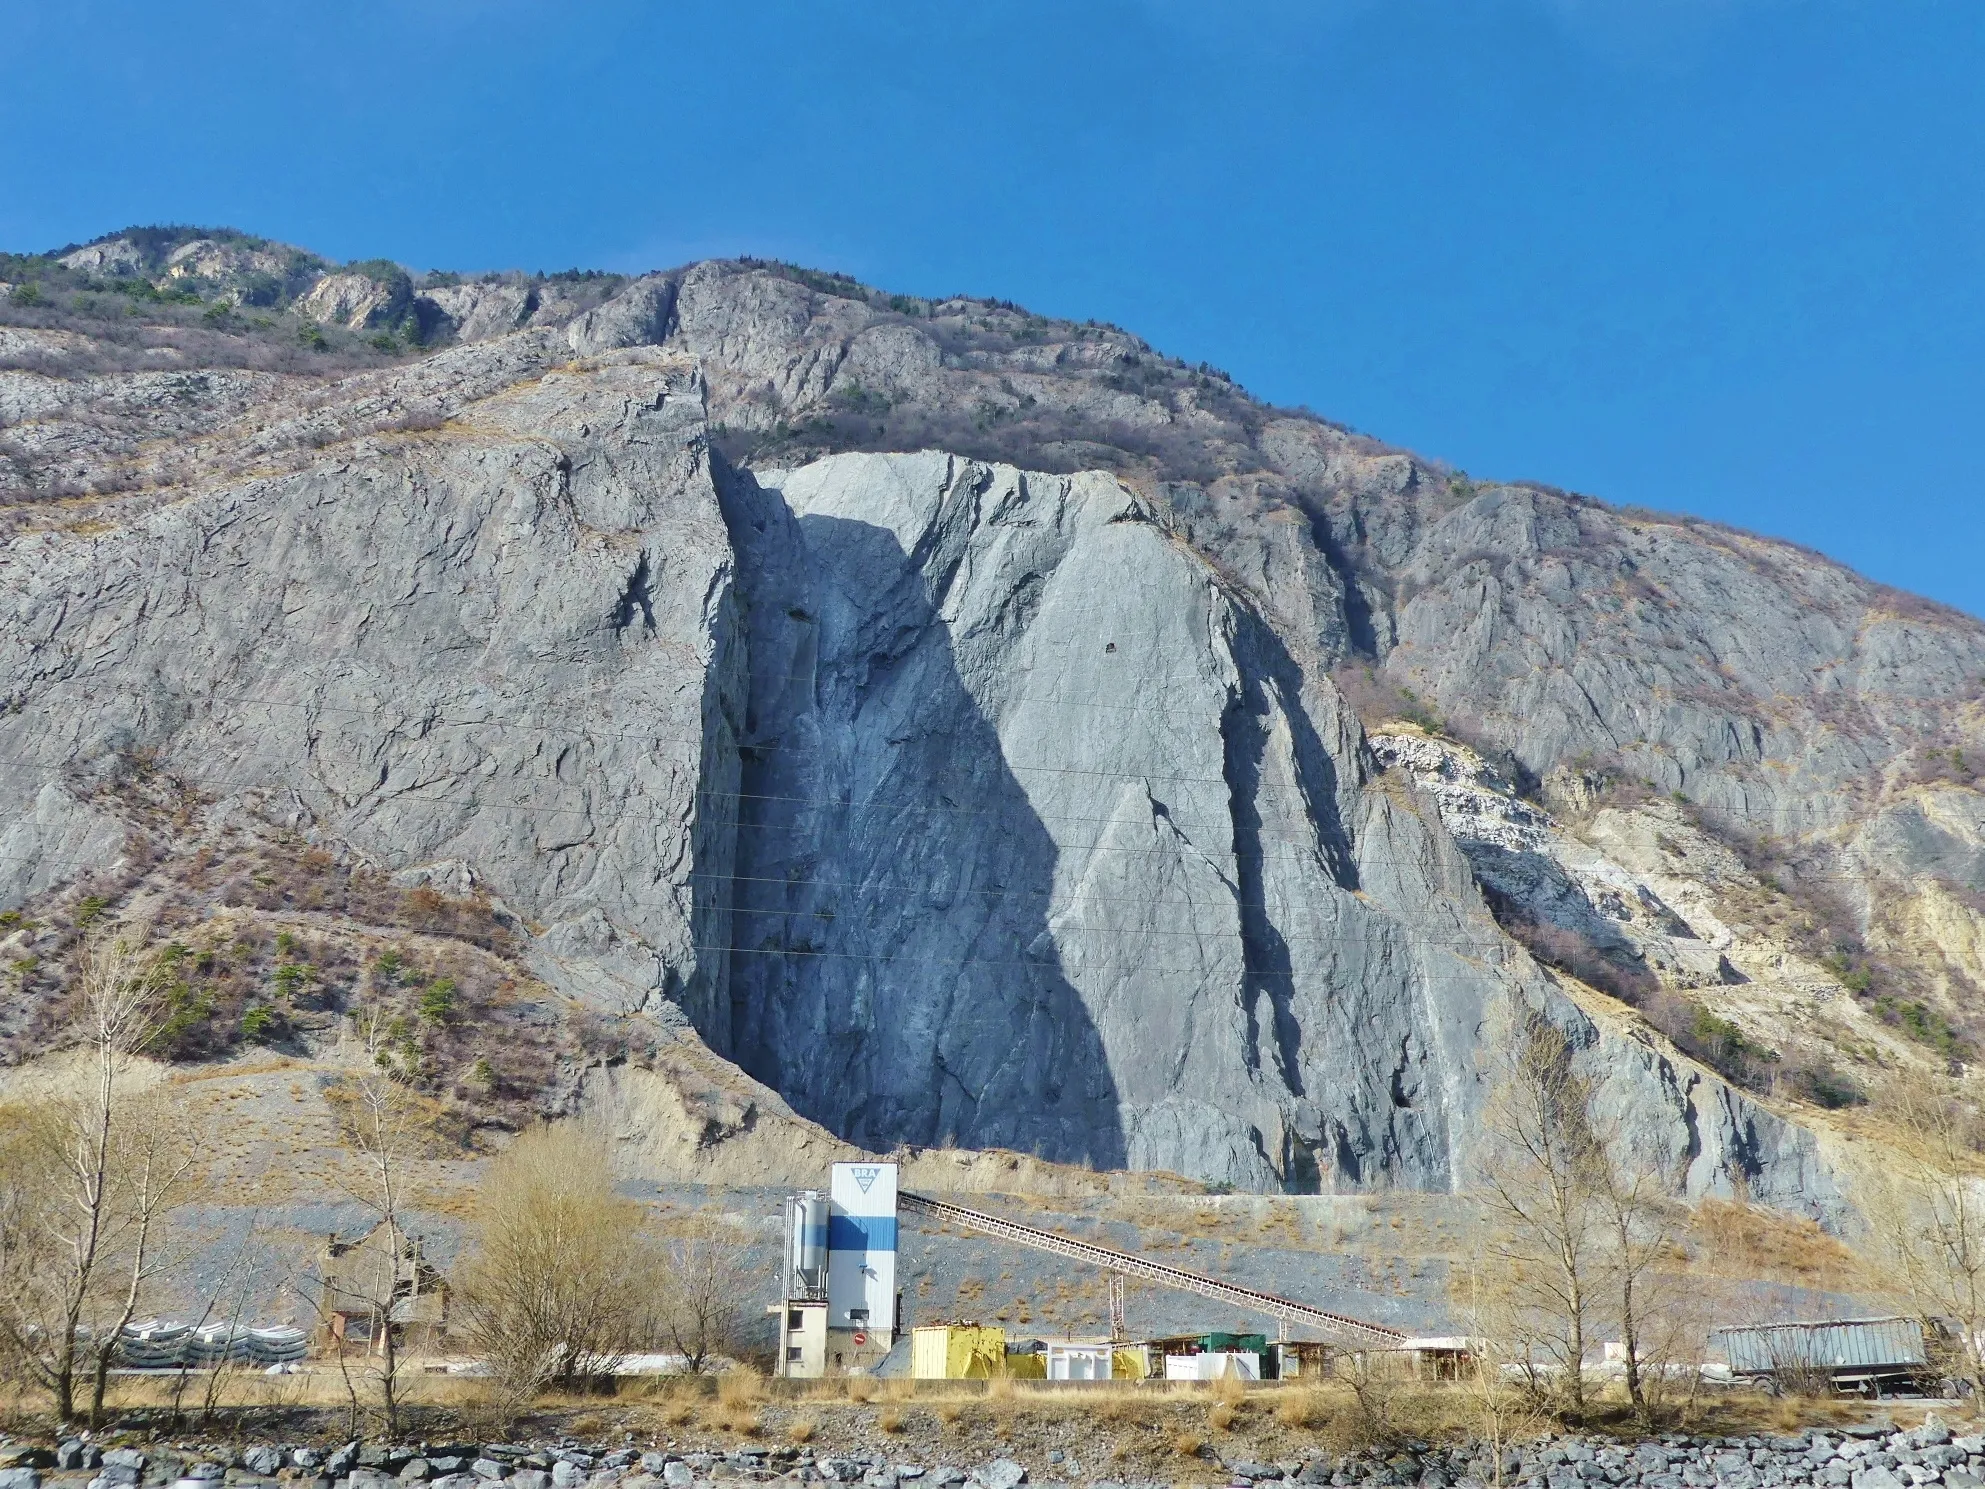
[959, 804]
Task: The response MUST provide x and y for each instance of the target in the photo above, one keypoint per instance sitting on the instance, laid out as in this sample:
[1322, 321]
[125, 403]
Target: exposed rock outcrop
[956, 800]
[502, 644]
[355, 301]
[1046, 843]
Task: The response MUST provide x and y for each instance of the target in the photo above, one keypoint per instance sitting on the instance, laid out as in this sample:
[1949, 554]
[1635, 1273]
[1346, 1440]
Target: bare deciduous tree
[1930, 1224]
[1661, 1334]
[97, 1165]
[386, 1127]
[1542, 1170]
[153, 1173]
[1587, 1234]
[1503, 1413]
[25, 1255]
[711, 1266]
[564, 1276]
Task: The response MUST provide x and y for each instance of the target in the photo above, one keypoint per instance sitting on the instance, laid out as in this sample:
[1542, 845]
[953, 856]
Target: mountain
[977, 729]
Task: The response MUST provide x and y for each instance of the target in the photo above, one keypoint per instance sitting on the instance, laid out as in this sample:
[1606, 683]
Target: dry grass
[1123, 1405]
[1748, 1241]
[739, 1395]
[679, 1413]
[1733, 1413]
[740, 1387]
[1300, 1408]
[1153, 1428]
[678, 1401]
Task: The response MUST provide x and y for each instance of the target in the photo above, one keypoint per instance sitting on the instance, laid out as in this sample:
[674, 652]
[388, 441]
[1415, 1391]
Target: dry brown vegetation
[1751, 1242]
[268, 941]
[1155, 1429]
[562, 1281]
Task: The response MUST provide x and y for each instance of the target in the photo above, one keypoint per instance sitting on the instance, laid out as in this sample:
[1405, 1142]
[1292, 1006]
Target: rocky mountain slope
[957, 719]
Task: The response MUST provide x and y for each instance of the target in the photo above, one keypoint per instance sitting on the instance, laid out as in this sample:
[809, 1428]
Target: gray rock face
[958, 803]
[354, 301]
[1046, 843]
[638, 316]
[1036, 835]
[1783, 694]
[465, 649]
[476, 312]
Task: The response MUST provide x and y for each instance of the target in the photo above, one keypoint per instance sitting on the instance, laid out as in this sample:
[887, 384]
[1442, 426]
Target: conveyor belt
[1348, 1330]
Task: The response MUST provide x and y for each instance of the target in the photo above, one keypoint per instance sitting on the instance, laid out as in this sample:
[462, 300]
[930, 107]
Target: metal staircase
[1336, 1326]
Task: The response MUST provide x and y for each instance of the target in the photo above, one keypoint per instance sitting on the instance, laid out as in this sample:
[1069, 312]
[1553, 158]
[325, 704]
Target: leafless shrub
[1378, 700]
[92, 1170]
[559, 1288]
[1930, 1227]
[710, 1263]
[1905, 606]
[1614, 972]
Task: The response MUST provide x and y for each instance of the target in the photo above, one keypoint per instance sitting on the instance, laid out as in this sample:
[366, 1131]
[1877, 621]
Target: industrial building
[839, 1311]
[838, 1305]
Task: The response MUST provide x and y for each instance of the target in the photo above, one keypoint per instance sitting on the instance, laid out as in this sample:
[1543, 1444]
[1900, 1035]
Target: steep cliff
[1047, 843]
[494, 650]
[955, 716]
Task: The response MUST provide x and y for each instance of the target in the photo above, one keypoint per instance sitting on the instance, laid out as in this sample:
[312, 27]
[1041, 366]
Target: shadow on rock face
[895, 976]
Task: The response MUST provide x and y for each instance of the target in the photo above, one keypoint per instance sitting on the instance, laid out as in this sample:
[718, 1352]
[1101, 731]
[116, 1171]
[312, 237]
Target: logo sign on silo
[861, 1249]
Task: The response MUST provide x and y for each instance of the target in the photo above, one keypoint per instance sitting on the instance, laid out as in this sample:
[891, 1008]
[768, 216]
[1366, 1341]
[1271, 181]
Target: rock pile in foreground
[1867, 1456]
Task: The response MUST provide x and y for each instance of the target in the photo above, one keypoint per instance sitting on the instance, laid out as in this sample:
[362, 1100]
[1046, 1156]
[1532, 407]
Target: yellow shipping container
[957, 1352]
[1027, 1367]
[1130, 1364]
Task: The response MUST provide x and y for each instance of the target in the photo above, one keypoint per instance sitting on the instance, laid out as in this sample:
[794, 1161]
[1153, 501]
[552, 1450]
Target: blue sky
[1716, 256]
